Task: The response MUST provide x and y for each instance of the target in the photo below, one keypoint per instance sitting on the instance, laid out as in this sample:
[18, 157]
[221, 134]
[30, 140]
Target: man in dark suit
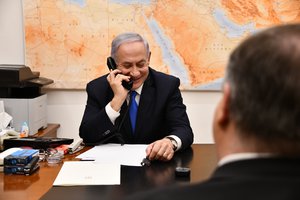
[256, 124]
[161, 120]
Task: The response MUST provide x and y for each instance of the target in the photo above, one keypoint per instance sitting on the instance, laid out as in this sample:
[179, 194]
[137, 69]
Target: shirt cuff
[178, 140]
[111, 113]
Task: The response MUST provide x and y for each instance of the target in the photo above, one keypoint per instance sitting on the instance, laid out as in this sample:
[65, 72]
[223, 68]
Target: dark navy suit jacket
[161, 112]
[252, 179]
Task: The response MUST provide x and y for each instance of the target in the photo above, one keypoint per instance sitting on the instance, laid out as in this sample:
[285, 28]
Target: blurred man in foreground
[256, 124]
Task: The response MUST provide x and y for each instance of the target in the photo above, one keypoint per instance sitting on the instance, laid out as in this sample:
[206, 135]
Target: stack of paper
[88, 173]
[105, 167]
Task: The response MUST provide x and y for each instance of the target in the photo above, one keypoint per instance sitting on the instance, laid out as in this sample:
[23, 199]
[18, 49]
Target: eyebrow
[126, 63]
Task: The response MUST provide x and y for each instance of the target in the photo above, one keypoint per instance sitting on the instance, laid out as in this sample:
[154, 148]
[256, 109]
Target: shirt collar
[139, 89]
[242, 156]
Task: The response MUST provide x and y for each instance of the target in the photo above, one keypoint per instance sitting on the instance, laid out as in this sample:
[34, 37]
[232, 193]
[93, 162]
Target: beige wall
[11, 32]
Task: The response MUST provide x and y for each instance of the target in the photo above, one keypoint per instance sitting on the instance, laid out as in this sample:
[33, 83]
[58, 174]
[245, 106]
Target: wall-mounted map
[68, 40]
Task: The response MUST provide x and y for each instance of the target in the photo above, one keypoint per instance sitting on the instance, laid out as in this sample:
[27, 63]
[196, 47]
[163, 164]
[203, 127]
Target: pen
[87, 160]
[146, 162]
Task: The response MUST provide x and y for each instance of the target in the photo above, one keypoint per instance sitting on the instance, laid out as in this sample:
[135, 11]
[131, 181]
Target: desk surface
[201, 159]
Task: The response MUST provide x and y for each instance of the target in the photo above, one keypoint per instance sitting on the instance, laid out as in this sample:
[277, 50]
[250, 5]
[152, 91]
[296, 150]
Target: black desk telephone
[112, 66]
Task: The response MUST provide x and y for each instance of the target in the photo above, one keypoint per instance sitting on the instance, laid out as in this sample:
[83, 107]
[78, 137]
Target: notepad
[75, 173]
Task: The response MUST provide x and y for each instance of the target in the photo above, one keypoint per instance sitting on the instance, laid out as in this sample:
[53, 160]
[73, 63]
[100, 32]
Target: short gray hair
[124, 38]
[264, 75]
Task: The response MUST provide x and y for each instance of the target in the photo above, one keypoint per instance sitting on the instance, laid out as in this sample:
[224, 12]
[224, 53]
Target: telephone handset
[112, 66]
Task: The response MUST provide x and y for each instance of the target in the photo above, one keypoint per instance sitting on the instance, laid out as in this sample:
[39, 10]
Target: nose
[134, 71]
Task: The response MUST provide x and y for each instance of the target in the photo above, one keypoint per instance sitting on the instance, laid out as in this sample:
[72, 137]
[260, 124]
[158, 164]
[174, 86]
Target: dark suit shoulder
[98, 81]
[98, 84]
[164, 80]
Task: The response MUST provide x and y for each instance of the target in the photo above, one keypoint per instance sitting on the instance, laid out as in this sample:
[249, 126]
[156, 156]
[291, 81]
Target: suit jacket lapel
[146, 103]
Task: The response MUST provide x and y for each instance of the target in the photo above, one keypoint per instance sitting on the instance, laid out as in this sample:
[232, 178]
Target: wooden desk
[200, 158]
[50, 131]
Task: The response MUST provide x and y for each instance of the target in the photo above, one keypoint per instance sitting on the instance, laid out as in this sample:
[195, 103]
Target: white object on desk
[72, 147]
[127, 154]
[75, 173]
[5, 118]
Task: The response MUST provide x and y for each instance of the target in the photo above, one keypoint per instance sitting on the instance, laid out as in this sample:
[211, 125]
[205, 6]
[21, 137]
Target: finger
[149, 149]
[111, 75]
[116, 71]
[108, 77]
[127, 78]
[168, 156]
[154, 151]
[168, 151]
[162, 152]
[122, 77]
[163, 157]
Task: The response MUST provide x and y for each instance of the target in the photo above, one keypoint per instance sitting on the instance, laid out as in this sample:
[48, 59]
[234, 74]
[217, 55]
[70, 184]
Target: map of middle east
[68, 40]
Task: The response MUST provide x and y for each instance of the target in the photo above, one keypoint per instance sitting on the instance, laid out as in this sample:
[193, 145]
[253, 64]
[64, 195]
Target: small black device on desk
[36, 142]
[182, 172]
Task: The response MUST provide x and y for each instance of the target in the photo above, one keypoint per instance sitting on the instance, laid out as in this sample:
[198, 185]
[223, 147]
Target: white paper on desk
[127, 154]
[88, 173]
[4, 117]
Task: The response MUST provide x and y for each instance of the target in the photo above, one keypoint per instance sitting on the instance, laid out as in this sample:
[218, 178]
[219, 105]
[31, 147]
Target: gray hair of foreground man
[264, 77]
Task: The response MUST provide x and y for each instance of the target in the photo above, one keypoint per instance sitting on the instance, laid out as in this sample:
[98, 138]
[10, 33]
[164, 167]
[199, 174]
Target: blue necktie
[133, 107]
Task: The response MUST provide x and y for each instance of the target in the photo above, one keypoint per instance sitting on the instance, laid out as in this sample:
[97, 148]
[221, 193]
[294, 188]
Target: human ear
[223, 107]
[149, 56]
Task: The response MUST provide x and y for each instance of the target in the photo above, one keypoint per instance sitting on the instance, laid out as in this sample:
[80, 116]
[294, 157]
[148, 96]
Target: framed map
[68, 40]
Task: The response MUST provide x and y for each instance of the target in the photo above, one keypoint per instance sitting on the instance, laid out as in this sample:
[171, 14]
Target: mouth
[134, 79]
[135, 82]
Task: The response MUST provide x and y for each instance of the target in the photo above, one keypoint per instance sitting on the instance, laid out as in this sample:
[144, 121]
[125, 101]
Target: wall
[11, 32]
[66, 106]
